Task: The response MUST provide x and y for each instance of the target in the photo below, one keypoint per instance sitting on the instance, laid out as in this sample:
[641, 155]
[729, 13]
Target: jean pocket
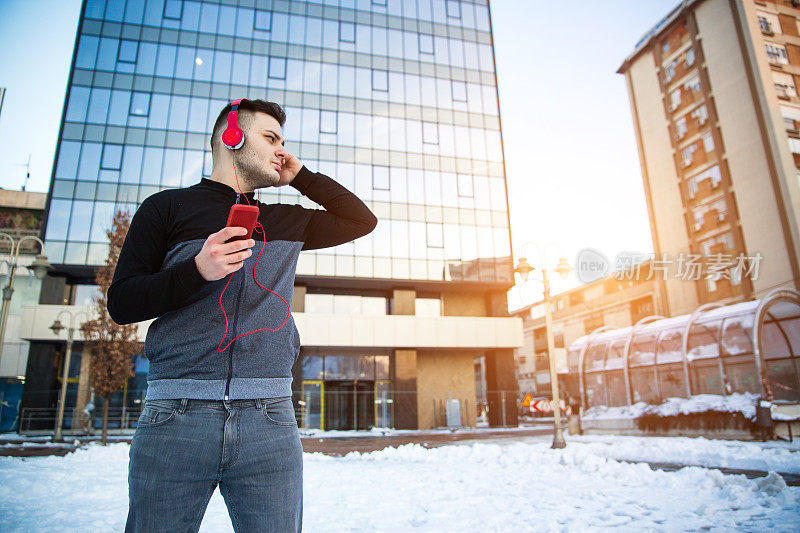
[280, 413]
[157, 413]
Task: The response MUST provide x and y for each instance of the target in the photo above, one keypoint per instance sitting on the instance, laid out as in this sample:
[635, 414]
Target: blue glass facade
[395, 99]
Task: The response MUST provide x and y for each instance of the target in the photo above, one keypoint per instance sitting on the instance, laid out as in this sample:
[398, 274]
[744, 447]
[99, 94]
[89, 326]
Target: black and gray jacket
[156, 277]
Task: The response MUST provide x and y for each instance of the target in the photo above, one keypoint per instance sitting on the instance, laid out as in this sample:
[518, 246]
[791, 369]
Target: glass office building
[395, 99]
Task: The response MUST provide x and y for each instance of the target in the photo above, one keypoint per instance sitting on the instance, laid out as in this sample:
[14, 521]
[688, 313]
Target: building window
[380, 178]
[434, 235]
[347, 32]
[430, 133]
[784, 85]
[708, 142]
[85, 295]
[381, 3]
[689, 57]
[428, 307]
[459, 91]
[453, 9]
[425, 44]
[140, 104]
[675, 99]
[777, 53]
[380, 80]
[127, 52]
[700, 114]
[262, 21]
[794, 145]
[112, 157]
[680, 127]
[669, 72]
[665, 47]
[346, 304]
[173, 9]
[327, 121]
[692, 84]
[277, 68]
[465, 185]
[764, 24]
[687, 154]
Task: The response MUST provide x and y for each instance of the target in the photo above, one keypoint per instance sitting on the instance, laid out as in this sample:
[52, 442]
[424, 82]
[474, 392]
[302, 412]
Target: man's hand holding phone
[219, 258]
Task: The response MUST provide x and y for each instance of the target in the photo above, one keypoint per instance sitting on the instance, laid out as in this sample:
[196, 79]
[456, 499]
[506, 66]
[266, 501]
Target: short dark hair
[246, 109]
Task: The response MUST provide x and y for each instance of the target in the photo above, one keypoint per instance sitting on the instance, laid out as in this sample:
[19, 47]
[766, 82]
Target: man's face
[260, 159]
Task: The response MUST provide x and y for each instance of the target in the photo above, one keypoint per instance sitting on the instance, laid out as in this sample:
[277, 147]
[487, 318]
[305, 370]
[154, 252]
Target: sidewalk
[334, 443]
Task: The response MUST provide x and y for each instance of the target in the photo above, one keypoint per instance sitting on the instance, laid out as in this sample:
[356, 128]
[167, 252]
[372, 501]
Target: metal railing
[358, 409]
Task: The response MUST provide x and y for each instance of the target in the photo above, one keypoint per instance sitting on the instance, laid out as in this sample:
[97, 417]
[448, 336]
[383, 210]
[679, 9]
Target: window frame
[170, 17]
[342, 24]
[133, 98]
[255, 20]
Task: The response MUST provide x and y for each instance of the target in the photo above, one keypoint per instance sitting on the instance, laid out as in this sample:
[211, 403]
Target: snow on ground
[519, 484]
[777, 456]
[744, 403]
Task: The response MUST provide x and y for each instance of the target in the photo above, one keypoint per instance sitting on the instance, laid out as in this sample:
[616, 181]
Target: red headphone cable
[260, 229]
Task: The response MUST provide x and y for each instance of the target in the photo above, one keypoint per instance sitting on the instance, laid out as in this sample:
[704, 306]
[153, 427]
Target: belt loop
[183, 405]
[259, 404]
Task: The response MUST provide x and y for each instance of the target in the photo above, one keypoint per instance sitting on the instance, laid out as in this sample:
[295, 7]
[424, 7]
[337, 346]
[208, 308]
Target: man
[217, 415]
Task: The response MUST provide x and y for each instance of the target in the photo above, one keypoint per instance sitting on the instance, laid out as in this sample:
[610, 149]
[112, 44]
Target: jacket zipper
[230, 348]
[235, 320]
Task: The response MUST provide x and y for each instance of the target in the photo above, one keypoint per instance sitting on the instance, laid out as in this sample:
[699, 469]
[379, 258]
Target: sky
[572, 168]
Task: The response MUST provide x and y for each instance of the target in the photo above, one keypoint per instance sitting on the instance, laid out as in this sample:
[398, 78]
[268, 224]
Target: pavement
[334, 443]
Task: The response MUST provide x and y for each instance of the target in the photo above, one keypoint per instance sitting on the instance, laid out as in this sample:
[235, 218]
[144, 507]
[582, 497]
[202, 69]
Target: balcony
[699, 157]
[678, 37]
[706, 189]
[712, 220]
[680, 69]
[687, 98]
[720, 248]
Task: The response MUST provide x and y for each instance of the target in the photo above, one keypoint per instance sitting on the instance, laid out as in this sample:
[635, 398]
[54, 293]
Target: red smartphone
[243, 216]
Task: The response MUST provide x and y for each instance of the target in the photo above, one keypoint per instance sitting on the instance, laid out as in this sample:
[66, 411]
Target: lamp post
[563, 268]
[40, 266]
[57, 327]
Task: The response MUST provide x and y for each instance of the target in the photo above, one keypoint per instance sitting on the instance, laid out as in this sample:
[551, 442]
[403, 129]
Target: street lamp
[40, 266]
[57, 327]
[563, 268]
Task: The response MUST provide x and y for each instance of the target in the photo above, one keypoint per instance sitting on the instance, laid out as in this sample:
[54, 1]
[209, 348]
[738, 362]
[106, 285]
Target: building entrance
[346, 404]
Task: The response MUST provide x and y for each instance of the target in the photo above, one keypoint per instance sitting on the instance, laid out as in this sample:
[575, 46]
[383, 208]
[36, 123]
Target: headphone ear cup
[233, 138]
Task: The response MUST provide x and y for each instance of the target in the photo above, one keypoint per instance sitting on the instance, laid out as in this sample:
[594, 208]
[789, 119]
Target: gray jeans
[183, 449]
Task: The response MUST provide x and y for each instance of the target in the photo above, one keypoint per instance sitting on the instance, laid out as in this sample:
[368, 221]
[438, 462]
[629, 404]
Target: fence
[362, 408]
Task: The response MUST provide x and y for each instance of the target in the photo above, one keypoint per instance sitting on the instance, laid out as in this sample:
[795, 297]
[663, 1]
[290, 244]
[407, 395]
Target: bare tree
[111, 344]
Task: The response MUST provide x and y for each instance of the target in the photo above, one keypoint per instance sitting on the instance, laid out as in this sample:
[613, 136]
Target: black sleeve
[140, 291]
[345, 217]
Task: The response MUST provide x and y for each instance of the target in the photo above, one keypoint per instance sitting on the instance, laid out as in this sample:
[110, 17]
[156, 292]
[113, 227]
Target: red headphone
[233, 136]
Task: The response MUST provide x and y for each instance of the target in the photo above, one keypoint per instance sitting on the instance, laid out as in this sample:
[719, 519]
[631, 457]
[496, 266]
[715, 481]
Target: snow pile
[601, 412]
[743, 455]
[519, 484]
[744, 403]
